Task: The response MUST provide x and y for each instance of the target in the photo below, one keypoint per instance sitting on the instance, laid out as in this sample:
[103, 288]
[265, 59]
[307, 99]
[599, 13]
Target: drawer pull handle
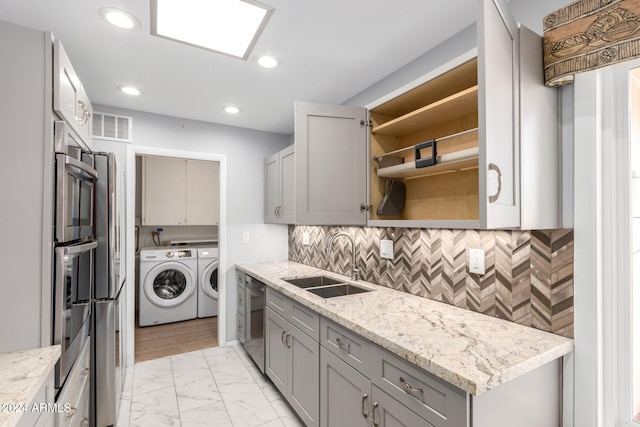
[373, 414]
[345, 346]
[71, 413]
[408, 387]
[283, 337]
[288, 343]
[364, 399]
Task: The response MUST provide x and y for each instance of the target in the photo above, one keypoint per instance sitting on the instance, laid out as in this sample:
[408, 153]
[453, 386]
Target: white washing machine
[207, 282]
[168, 285]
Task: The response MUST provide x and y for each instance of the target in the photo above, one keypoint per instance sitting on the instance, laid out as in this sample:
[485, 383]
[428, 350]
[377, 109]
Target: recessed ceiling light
[231, 27]
[231, 109]
[119, 18]
[129, 90]
[267, 61]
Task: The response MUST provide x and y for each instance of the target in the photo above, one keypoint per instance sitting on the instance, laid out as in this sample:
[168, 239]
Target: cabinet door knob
[288, 343]
[364, 399]
[408, 387]
[373, 414]
[71, 413]
[494, 167]
[345, 346]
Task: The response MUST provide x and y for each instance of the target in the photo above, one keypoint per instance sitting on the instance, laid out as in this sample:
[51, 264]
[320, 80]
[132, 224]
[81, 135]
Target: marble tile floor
[215, 387]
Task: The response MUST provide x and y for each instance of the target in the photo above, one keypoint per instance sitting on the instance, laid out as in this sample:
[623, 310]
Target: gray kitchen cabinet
[70, 99]
[76, 392]
[241, 322]
[345, 394]
[180, 191]
[279, 190]
[44, 396]
[473, 144]
[350, 392]
[388, 412]
[292, 357]
[330, 180]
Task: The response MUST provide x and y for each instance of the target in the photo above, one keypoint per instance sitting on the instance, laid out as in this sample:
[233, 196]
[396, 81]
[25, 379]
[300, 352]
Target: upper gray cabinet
[471, 144]
[70, 99]
[446, 152]
[279, 187]
[331, 146]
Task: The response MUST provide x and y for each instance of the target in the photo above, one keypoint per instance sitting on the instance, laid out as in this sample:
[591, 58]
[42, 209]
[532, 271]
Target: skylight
[231, 27]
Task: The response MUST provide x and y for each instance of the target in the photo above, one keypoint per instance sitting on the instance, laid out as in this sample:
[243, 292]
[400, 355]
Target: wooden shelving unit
[461, 103]
[443, 106]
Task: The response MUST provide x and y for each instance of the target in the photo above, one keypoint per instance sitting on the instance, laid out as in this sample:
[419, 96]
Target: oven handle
[75, 249]
[73, 162]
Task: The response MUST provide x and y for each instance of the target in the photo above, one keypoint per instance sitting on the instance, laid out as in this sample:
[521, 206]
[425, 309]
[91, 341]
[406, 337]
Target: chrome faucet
[354, 269]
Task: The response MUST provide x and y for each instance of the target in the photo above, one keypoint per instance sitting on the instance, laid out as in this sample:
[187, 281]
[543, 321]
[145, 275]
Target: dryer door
[169, 284]
[209, 279]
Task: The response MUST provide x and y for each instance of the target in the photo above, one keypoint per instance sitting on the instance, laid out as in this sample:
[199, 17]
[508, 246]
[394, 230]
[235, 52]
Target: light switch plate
[476, 261]
[305, 238]
[386, 249]
[246, 237]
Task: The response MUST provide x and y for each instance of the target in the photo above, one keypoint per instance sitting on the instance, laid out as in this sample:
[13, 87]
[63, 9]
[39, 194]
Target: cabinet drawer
[307, 320]
[435, 400]
[348, 346]
[278, 302]
[242, 298]
[242, 325]
[240, 278]
[75, 392]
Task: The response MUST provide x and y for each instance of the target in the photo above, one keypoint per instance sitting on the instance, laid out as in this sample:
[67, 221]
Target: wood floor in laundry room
[154, 342]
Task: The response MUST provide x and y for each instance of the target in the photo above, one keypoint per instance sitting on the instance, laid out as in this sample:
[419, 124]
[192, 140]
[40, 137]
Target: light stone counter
[470, 350]
[22, 373]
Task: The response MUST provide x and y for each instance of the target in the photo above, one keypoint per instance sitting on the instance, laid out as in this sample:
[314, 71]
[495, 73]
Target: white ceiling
[330, 51]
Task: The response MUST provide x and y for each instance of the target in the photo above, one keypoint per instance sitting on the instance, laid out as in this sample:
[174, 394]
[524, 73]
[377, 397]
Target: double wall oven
[74, 248]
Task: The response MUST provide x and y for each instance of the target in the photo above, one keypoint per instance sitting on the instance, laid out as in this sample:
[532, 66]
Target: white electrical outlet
[305, 239]
[386, 249]
[476, 261]
[246, 237]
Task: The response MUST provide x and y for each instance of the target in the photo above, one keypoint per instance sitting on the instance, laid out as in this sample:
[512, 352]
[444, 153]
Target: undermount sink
[326, 287]
[337, 290]
[313, 281]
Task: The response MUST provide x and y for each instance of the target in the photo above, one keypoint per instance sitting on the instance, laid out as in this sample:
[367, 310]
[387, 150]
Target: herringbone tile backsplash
[528, 279]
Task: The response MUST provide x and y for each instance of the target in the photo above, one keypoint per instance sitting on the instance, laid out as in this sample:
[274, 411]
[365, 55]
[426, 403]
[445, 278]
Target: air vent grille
[112, 127]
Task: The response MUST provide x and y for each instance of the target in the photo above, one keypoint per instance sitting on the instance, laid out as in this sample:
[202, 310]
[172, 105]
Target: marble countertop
[470, 350]
[22, 373]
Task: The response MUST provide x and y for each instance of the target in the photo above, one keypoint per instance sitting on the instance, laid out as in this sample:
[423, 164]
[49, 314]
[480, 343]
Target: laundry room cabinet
[279, 187]
[471, 144]
[180, 191]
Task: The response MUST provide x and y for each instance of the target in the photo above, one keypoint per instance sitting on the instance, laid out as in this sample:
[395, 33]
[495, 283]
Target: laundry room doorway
[177, 203]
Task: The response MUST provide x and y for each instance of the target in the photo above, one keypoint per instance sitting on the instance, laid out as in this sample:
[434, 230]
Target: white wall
[245, 151]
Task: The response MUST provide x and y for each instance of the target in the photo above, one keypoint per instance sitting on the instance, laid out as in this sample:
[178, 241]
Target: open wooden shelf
[458, 104]
[408, 170]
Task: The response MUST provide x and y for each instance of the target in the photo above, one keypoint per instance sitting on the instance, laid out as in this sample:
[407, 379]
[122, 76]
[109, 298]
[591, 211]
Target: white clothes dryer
[168, 285]
[208, 282]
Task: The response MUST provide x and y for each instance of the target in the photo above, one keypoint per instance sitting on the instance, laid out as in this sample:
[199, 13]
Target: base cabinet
[292, 363]
[75, 393]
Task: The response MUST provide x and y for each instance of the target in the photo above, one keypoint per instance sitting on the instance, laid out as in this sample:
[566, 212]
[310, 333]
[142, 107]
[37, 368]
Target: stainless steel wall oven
[73, 278]
[74, 248]
[75, 180]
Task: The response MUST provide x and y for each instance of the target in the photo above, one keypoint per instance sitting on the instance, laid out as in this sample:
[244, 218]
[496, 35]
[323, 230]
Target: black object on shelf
[393, 200]
[430, 161]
